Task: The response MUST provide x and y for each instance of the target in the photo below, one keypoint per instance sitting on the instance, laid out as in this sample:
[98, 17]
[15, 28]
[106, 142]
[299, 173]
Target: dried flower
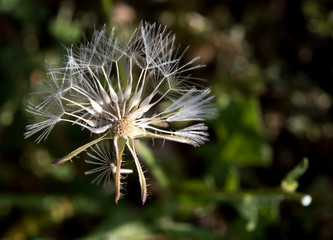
[112, 87]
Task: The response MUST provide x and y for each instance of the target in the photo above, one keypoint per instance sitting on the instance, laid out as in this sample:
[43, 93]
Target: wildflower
[112, 87]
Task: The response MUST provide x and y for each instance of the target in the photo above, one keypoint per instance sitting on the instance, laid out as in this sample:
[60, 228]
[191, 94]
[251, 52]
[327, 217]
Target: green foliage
[65, 31]
[240, 131]
[290, 182]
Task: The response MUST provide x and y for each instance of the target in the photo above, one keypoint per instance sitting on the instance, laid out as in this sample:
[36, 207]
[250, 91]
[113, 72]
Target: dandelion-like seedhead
[113, 88]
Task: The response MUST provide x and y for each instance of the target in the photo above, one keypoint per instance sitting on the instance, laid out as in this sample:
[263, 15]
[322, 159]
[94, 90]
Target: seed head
[113, 87]
[123, 127]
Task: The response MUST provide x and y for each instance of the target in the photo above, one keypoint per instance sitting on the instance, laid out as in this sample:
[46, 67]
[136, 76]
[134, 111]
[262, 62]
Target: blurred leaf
[248, 208]
[24, 10]
[37, 160]
[250, 204]
[107, 9]
[129, 230]
[232, 179]
[40, 212]
[256, 206]
[52, 203]
[65, 31]
[242, 133]
[290, 183]
[187, 231]
[154, 167]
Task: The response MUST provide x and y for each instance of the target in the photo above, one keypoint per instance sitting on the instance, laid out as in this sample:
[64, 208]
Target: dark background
[269, 64]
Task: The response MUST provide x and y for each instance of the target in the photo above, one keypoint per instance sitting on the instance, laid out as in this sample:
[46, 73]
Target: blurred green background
[270, 66]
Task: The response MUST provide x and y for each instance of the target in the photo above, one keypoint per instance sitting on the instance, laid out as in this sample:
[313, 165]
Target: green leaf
[107, 6]
[290, 183]
[187, 231]
[299, 170]
[232, 179]
[66, 30]
[241, 133]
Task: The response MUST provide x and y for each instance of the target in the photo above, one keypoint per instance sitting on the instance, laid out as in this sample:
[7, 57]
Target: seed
[124, 126]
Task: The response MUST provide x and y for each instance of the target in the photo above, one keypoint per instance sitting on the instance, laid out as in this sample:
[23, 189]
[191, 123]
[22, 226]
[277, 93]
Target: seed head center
[124, 126]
